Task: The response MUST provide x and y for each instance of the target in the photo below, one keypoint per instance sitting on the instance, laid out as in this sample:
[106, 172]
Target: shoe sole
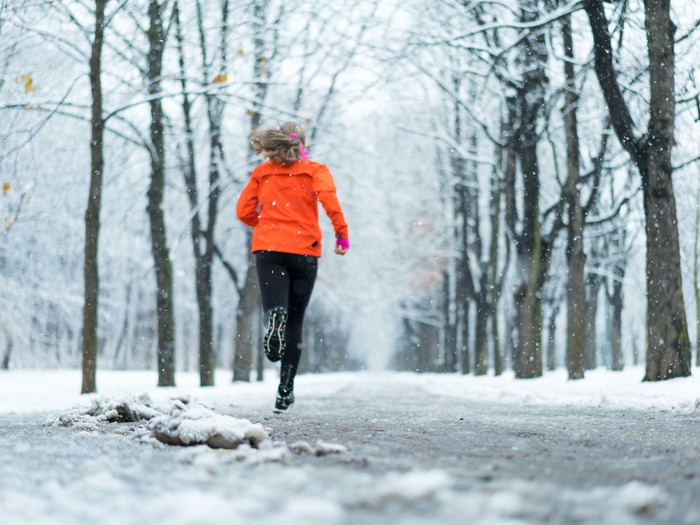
[274, 340]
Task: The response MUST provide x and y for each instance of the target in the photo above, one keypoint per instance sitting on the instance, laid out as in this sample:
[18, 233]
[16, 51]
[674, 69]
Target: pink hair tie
[302, 150]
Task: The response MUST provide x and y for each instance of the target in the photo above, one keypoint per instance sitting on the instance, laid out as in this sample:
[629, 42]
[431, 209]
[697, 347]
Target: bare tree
[525, 111]
[668, 343]
[248, 305]
[696, 277]
[203, 242]
[576, 258]
[92, 214]
[157, 37]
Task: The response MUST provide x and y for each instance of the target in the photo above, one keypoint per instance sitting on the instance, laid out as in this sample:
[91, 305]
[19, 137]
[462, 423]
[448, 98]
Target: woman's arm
[247, 206]
[324, 187]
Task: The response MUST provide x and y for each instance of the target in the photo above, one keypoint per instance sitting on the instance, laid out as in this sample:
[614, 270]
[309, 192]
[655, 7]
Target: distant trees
[509, 44]
[494, 211]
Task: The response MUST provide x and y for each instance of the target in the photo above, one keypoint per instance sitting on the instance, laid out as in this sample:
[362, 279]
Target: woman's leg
[302, 273]
[274, 280]
[273, 277]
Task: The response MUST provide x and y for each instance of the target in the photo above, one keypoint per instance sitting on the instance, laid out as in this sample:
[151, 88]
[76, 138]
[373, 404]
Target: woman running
[280, 204]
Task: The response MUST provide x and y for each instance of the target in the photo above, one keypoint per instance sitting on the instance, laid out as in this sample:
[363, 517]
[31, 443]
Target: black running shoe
[284, 400]
[274, 340]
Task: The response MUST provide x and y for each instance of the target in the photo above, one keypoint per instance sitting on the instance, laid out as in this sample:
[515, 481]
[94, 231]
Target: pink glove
[343, 242]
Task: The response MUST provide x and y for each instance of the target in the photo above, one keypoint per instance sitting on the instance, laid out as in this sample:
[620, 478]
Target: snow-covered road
[420, 449]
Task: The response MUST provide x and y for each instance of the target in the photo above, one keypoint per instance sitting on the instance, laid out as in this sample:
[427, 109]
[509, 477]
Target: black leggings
[287, 280]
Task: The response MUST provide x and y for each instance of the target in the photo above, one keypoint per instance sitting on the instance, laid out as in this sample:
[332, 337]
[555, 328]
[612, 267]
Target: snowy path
[415, 456]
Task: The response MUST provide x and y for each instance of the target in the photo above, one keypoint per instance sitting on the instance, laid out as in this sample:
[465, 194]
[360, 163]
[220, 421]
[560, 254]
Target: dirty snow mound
[199, 425]
[321, 448]
[120, 408]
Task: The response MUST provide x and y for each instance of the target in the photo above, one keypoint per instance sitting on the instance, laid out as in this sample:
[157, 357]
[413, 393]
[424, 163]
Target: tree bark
[495, 282]
[668, 344]
[593, 284]
[159, 241]
[203, 239]
[249, 296]
[449, 328]
[481, 347]
[465, 331]
[575, 256]
[530, 272]
[696, 277]
[92, 213]
[551, 338]
[616, 306]
[245, 324]
[5, 365]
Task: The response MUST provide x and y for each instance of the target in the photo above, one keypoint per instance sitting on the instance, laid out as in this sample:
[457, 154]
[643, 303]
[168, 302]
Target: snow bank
[601, 388]
[187, 426]
[321, 448]
[121, 408]
[23, 391]
[199, 425]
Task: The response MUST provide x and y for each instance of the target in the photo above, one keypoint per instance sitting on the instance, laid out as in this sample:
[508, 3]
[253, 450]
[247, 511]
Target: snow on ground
[55, 390]
[102, 476]
[600, 388]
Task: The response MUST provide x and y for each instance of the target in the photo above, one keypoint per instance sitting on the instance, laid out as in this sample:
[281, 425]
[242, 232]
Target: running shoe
[274, 340]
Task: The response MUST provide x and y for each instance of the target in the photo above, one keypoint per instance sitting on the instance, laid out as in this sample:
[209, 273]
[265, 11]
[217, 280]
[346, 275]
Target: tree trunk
[124, 334]
[481, 347]
[696, 277]
[5, 365]
[190, 176]
[616, 304]
[668, 353]
[203, 239]
[246, 325]
[248, 295]
[465, 333]
[449, 328]
[494, 279]
[507, 160]
[551, 338]
[462, 274]
[159, 241]
[593, 284]
[527, 301]
[92, 213]
[668, 343]
[575, 256]
[528, 105]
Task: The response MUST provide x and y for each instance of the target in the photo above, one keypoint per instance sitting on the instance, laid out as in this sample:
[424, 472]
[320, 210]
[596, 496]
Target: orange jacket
[280, 203]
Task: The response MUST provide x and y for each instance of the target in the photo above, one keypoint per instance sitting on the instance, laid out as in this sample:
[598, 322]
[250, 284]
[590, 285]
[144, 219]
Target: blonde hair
[280, 145]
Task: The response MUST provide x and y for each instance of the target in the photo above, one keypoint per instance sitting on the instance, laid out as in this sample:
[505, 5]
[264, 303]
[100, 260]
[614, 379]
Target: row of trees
[499, 163]
[541, 189]
[163, 77]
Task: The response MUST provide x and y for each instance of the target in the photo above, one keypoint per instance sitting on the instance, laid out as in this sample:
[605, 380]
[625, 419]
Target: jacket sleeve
[247, 206]
[324, 187]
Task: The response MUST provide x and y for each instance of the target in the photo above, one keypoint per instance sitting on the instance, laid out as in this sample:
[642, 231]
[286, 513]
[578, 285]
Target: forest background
[498, 198]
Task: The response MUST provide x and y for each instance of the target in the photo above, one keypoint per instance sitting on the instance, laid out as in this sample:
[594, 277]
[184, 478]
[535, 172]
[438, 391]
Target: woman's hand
[342, 245]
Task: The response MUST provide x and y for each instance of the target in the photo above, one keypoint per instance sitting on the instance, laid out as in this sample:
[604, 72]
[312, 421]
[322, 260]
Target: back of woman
[280, 203]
